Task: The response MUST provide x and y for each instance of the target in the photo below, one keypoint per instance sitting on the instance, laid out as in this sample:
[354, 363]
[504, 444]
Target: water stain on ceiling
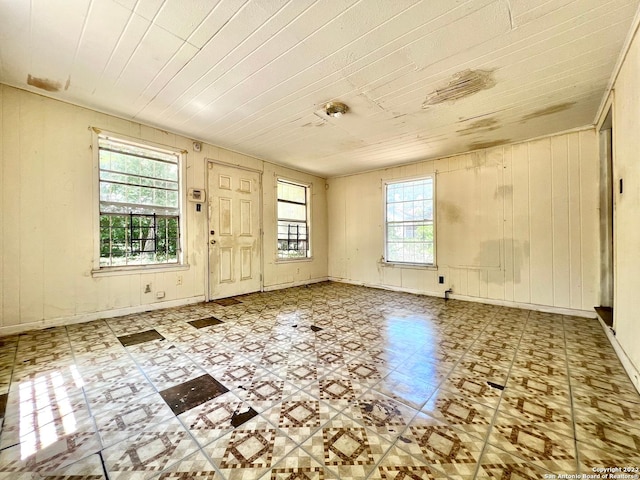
[462, 84]
[548, 111]
[47, 84]
[479, 126]
[493, 143]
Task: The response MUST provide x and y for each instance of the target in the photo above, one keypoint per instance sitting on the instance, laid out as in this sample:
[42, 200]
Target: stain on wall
[504, 191]
[462, 84]
[449, 212]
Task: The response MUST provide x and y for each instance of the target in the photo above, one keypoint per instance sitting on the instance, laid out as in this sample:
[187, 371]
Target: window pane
[293, 193]
[293, 229]
[139, 204]
[292, 211]
[409, 214]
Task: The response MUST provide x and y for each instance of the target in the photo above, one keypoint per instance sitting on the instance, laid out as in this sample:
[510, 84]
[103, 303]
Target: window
[409, 222]
[139, 204]
[293, 220]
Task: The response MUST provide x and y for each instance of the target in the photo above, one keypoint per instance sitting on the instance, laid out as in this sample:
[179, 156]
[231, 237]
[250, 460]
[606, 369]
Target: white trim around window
[410, 221]
[141, 202]
[293, 220]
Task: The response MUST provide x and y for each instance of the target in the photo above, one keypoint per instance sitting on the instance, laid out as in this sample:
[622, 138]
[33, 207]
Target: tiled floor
[329, 381]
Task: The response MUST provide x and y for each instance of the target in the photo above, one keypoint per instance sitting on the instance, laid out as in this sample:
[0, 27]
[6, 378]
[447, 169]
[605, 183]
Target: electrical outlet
[179, 280]
[160, 294]
[147, 288]
[441, 279]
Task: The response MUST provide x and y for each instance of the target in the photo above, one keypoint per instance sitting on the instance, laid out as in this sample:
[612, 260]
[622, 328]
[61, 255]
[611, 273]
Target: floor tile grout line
[570, 385]
[497, 410]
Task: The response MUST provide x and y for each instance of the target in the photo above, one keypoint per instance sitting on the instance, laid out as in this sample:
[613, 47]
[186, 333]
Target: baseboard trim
[280, 286]
[89, 317]
[627, 364]
[489, 301]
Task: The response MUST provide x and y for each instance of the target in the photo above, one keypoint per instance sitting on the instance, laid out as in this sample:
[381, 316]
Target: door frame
[607, 167]
[210, 166]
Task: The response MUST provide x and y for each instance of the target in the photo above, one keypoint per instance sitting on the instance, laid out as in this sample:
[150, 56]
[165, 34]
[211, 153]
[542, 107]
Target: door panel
[234, 231]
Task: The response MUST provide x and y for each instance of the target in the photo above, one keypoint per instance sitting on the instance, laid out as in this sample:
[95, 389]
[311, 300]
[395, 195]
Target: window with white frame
[409, 221]
[293, 220]
[140, 198]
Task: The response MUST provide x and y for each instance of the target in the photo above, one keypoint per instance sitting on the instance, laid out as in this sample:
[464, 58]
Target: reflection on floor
[330, 381]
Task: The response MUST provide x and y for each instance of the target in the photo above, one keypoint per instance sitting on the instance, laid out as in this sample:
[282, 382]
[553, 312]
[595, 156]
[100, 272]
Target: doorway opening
[605, 309]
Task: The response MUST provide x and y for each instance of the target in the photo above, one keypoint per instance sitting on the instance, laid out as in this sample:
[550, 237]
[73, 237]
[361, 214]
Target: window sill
[294, 260]
[417, 266]
[116, 271]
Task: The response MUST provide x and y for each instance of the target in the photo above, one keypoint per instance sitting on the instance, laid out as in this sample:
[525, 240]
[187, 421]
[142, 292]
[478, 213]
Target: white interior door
[234, 231]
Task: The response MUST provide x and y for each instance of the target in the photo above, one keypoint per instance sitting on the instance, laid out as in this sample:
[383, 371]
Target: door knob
[213, 242]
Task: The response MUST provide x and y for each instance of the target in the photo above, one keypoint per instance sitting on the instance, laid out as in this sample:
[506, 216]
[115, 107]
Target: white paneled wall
[516, 224]
[626, 167]
[47, 219]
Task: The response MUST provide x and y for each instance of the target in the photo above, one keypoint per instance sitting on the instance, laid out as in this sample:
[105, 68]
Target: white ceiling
[252, 76]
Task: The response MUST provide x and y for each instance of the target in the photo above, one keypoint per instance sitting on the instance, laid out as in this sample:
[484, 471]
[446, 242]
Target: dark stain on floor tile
[240, 418]
[3, 404]
[140, 337]
[226, 302]
[495, 385]
[190, 394]
[205, 322]
[315, 329]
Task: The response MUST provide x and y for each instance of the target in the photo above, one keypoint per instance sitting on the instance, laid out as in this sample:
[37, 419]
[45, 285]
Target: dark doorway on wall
[605, 310]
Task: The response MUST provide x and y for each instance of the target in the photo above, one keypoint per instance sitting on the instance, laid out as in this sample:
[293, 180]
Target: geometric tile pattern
[323, 382]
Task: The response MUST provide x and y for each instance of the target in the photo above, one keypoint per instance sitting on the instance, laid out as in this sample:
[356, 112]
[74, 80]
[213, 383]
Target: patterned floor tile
[617, 438]
[103, 397]
[193, 467]
[215, 418]
[249, 453]
[531, 385]
[542, 447]
[497, 464]
[594, 457]
[54, 421]
[454, 452]
[300, 465]
[470, 366]
[619, 386]
[398, 464]
[50, 452]
[349, 449]
[541, 411]
[170, 376]
[474, 389]
[88, 468]
[124, 420]
[149, 452]
[594, 407]
[412, 391]
[457, 412]
[383, 415]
